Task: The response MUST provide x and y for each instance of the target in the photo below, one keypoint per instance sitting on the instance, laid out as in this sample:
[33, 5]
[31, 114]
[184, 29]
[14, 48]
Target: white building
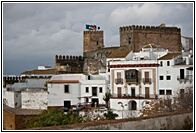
[70, 89]
[175, 73]
[187, 43]
[30, 93]
[136, 78]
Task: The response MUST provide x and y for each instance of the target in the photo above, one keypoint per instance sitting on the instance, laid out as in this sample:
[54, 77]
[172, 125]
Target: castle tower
[135, 37]
[92, 40]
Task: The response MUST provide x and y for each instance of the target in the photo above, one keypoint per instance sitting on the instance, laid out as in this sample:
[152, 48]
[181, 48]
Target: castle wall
[135, 37]
[96, 60]
[65, 64]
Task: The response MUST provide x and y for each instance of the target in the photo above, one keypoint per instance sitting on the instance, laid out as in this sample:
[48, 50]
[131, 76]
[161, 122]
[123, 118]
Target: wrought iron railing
[142, 96]
[147, 80]
[119, 81]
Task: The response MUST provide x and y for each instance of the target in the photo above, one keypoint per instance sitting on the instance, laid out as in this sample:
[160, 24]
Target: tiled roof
[64, 81]
[49, 71]
[119, 54]
[169, 56]
[133, 65]
[19, 111]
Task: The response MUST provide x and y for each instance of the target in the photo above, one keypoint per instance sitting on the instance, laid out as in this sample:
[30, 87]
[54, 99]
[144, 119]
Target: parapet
[153, 28]
[93, 32]
[68, 58]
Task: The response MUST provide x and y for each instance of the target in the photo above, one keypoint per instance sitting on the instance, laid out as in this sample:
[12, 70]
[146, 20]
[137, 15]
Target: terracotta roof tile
[19, 111]
[119, 54]
[64, 81]
[169, 56]
[49, 71]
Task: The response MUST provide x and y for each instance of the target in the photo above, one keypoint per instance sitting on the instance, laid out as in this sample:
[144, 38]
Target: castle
[132, 38]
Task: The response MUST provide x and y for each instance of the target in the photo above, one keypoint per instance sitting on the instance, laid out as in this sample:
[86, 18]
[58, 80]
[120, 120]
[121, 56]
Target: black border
[94, 2]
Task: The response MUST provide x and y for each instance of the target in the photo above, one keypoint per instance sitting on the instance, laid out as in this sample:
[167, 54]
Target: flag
[91, 27]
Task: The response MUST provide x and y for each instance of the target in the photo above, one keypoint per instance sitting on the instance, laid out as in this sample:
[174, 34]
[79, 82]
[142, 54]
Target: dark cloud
[33, 33]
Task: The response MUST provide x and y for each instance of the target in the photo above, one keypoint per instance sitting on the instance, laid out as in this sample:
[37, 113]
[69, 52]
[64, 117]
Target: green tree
[53, 117]
[106, 98]
[110, 115]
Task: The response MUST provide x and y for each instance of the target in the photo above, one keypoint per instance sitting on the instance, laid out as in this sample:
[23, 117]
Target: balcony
[147, 80]
[129, 96]
[185, 79]
[132, 80]
[119, 81]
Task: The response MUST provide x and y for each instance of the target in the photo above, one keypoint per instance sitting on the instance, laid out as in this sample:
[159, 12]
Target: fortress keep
[132, 38]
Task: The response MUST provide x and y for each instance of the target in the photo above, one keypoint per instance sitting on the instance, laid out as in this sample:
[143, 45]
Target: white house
[146, 75]
[175, 73]
[133, 77]
[70, 89]
[30, 93]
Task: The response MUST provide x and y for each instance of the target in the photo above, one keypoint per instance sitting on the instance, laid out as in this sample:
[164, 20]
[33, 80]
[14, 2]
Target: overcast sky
[33, 33]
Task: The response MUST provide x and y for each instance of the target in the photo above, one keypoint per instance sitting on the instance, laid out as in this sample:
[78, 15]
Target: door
[147, 92]
[94, 91]
[119, 92]
[95, 101]
[146, 74]
[132, 91]
[181, 73]
[67, 104]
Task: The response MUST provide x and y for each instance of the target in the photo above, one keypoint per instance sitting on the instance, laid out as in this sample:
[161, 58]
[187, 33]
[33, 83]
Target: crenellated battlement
[60, 58]
[153, 28]
[93, 32]
[16, 79]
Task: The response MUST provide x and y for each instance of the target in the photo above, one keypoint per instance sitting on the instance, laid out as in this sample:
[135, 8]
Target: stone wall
[92, 40]
[135, 37]
[96, 60]
[172, 121]
[69, 64]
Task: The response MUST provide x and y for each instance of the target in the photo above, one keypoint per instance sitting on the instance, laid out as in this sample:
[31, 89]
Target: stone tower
[135, 37]
[92, 40]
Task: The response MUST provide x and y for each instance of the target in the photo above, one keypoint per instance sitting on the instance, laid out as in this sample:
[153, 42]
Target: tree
[181, 102]
[106, 98]
[110, 115]
[53, 117]
[184, 99]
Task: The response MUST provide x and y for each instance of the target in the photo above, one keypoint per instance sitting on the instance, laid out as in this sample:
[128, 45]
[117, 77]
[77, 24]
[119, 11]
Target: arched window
[132, 105]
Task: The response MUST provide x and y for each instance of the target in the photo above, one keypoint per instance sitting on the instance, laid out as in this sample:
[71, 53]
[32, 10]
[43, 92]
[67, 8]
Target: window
[133, 91]
[168, 63]
[161, 77]
[100, 89]
[161, 63]
[168, 77]
[66, 88]
[161, 92]
[134, 105]
[118, 75]
[94, 91]
[168, 92]
[87, 89]
[97, 43]
[129, 40]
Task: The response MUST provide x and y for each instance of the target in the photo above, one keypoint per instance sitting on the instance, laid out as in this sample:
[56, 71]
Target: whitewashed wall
[93, 83]
[57, 96]
[12, 98]
[34, 99]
